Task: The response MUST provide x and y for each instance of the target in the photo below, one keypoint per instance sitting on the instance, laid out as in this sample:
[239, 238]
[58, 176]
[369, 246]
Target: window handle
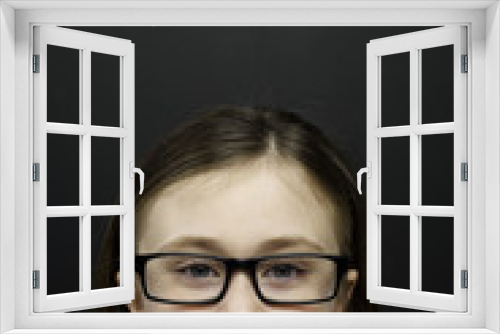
[368, 171]
[141, 175]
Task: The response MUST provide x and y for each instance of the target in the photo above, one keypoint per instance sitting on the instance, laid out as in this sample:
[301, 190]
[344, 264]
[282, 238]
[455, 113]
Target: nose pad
[241, 295]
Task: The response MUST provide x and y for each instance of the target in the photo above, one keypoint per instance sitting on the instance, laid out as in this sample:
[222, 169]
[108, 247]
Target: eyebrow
[213, 245]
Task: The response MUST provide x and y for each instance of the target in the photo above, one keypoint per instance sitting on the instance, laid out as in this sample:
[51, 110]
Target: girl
[245, 209]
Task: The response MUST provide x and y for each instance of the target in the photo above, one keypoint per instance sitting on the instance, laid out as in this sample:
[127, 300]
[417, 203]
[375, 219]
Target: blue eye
[198, 271]
[283, 271]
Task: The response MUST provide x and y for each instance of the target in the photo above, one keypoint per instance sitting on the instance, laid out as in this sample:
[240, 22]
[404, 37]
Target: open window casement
[417, 170]
[75, 135]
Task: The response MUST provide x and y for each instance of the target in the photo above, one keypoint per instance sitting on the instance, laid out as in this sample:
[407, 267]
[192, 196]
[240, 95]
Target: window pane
[395, 90]
[437, 169]
[437, 254]
[105, 171]
[105, 250]
[395, 170]
[63, 170]
[395, 244]
[63, 85]
[105, 100]
[63, 255]
[437, 84]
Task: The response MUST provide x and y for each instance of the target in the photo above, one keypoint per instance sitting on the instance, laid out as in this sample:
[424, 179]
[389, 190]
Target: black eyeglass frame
[248, 264]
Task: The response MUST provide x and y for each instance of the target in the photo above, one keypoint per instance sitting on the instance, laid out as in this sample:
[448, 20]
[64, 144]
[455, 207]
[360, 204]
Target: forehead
[240, 206]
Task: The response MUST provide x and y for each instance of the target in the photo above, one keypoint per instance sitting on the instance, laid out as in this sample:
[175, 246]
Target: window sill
[249, 331]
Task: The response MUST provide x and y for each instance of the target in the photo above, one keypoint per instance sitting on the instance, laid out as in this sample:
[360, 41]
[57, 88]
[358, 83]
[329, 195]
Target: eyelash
[187, 267]
[297, 269]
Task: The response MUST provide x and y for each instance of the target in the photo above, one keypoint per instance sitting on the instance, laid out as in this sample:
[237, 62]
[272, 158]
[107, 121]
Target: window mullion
[85, 164]
[81, 201]
[414, 170]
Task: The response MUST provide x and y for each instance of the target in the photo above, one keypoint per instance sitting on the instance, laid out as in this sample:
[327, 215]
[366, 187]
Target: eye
[198, 271]
[283, 271]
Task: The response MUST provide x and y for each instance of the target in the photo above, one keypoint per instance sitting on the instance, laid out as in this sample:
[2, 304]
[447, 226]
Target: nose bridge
[241, 295]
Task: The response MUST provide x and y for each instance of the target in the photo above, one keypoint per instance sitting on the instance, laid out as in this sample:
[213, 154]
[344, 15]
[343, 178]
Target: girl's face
[257, 209]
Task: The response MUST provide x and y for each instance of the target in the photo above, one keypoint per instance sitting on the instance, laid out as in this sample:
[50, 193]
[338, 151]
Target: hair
[226, 136]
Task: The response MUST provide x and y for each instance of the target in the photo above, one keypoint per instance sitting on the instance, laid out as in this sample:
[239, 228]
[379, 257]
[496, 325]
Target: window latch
[368, 171]
[141, 175]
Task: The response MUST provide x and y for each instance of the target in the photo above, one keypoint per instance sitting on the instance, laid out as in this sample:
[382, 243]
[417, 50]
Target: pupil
[199, 271]
[283, 271]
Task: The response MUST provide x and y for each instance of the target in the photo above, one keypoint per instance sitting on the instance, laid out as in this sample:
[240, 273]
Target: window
[60, 71]
[482, 316]
[416, 148]
[66, 197]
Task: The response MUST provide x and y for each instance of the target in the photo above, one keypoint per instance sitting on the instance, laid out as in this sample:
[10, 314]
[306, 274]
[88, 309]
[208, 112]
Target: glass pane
[437, 169]
[105, 234]
[395, 91]
[105, 100]
[63, 255]
[395, 170]
[437, 84]
[437, 254]
[105, 171]
[63, 170]
[185, 277]
[63, 85]
[395, 244]
[297, 278]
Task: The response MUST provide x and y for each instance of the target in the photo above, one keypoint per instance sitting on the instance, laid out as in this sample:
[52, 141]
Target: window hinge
[36, 279]
[36, 63]
[36, 172]
[465, 279]
[465, 64]
[464, 172]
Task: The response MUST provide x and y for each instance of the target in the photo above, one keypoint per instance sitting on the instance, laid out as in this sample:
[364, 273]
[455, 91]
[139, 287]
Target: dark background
[318, 72]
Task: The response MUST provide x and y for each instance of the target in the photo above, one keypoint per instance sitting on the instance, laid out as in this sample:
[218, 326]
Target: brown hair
[228, 135]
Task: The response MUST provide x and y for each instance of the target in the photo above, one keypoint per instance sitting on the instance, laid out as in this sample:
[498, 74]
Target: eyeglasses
[192, 278]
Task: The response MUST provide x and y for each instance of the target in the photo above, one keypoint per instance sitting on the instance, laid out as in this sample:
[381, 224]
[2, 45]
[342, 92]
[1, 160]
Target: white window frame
[483, 21]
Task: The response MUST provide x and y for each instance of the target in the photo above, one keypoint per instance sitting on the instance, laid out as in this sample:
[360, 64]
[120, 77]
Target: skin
[240, 208]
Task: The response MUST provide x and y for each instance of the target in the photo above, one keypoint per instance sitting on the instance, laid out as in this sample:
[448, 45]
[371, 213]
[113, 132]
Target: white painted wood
[77, 129]
[417, 129]
[414, 168]
[413, 42]
[492, 161]
[373, 263]
[85, 40]
[417, 178]
[444, 322]
[87, 43]
[420, 210]
[96, 210]
[86, 166]
[7, 167]
[248, 4]
[40, 156]
[460, 155]
[127, 222]
[261, 331]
